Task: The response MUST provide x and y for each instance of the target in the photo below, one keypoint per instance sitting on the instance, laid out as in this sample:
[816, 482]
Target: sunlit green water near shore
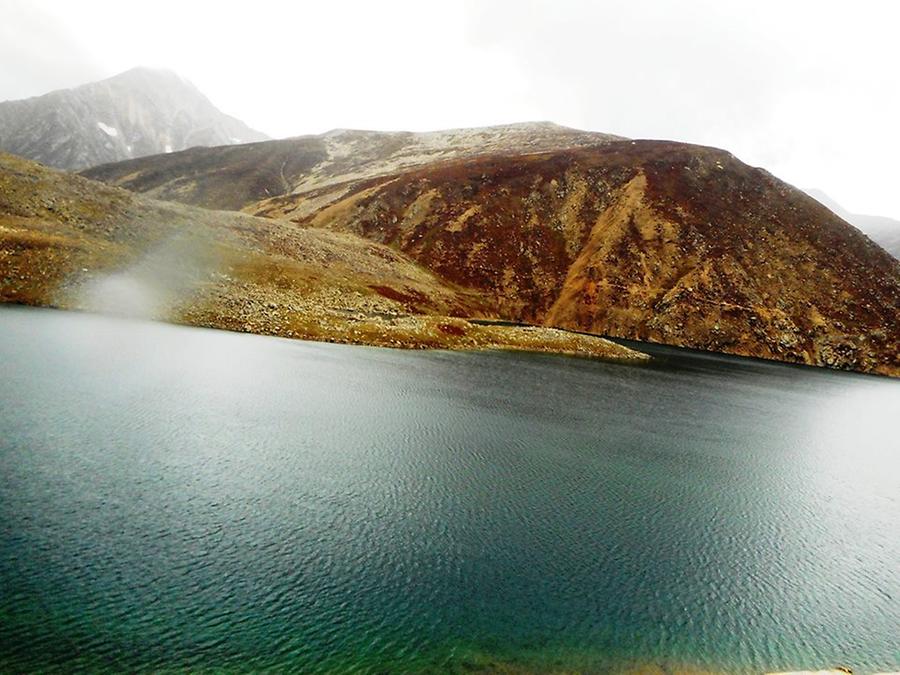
[191, 500]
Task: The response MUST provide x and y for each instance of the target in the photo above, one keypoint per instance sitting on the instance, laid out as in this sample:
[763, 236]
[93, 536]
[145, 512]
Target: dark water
[182, 499]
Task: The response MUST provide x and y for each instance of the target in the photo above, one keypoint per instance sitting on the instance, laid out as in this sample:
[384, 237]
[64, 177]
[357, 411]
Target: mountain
[72, 243]
[233, 178]
[883, 231]
[136, 113]
[648, 240]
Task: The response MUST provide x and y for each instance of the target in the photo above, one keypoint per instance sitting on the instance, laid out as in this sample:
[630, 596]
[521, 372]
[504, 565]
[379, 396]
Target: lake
[180, 499]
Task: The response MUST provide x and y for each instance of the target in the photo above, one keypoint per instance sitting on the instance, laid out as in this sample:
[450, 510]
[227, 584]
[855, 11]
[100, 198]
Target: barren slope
[69, 242]
[236, 177]
[647, 240]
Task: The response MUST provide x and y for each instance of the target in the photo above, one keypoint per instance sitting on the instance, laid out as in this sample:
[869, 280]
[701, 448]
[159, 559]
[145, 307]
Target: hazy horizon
[805, 91]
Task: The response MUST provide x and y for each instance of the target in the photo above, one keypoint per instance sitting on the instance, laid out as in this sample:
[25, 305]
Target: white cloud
[806, 88]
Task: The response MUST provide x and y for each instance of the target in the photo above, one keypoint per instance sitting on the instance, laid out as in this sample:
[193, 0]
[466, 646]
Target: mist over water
[176, 498]
[126, 294]
[151, 288]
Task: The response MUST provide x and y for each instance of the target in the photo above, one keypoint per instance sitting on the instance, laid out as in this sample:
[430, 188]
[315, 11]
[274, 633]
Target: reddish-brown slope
[640, 239]
[70, 242]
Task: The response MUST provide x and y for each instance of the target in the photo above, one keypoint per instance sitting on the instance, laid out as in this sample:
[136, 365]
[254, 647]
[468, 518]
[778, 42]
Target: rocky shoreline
[408, 331]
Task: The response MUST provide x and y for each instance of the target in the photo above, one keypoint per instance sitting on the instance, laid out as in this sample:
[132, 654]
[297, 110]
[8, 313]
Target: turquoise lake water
[188, 500]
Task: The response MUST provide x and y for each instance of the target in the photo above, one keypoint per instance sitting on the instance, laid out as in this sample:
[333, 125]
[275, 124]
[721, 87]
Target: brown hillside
[650, 240]
[69, 242]
[647, 240]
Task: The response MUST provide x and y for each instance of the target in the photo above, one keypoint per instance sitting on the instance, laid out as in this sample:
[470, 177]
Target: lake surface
[185, 499]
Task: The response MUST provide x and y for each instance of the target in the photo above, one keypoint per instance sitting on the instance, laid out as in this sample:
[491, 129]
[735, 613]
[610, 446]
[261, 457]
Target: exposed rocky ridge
[647, 240]
[136, 113]
[69, 242]
[240, 177]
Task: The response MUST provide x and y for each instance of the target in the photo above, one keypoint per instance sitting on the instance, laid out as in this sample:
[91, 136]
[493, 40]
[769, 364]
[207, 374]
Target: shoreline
[400, 331]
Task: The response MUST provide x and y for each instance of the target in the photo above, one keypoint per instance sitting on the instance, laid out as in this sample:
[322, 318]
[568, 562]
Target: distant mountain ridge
[883, 231]
[137, 113]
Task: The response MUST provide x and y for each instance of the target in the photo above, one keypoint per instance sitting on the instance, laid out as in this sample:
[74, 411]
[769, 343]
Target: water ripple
[334, 509]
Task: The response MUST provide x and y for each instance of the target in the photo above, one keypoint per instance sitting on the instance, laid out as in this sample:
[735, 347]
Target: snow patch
[168, 148]
[108, 130]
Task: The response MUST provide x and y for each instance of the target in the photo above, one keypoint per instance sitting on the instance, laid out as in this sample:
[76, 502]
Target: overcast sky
[807, 89]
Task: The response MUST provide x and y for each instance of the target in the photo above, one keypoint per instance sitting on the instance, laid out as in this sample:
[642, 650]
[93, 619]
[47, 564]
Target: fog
[806, 89]
[159, 282]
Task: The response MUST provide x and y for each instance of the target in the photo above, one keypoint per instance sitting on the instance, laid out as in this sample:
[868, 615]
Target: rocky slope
[69, 242]
[136, 113]
[883, 231]
[238, 177]
[647, 240]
